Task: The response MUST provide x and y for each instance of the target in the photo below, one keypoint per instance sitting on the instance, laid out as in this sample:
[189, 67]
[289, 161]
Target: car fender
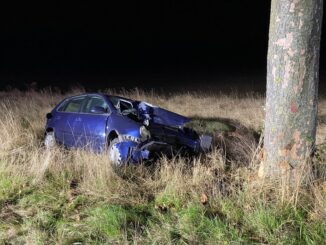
[123, 125]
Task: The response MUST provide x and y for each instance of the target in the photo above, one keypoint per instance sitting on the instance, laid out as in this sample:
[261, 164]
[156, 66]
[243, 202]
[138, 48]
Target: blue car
[129, 131]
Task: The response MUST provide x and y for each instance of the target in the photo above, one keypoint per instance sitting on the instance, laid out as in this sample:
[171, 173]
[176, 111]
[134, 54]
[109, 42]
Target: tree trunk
[292, 85]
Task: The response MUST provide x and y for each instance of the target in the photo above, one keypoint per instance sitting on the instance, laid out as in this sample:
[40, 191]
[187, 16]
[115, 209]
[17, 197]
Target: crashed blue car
[129, 131]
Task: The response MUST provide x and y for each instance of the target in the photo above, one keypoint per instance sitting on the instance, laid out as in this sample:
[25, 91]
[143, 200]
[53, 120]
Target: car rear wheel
[114, 153]
[49, 140]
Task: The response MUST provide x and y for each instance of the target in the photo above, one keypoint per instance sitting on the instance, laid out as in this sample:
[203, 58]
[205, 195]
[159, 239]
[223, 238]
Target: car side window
[94, 101]
[74, 105]
[62, 106]
[125, 105]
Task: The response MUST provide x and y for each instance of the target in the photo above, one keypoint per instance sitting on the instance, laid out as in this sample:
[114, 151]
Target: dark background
[154, 44]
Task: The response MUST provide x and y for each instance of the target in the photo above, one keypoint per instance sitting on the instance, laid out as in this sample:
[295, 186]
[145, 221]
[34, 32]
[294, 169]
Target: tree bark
[292, 85]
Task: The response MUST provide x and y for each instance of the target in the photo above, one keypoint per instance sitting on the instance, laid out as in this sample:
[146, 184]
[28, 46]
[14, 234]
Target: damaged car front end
[130, 131]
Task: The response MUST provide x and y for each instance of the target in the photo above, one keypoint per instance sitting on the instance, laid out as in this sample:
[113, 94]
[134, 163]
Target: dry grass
[62, 196]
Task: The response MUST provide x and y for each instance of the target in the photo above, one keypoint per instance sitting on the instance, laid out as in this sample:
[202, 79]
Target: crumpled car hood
[161, 116]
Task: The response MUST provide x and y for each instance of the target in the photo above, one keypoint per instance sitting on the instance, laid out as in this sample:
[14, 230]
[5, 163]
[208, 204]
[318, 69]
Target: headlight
[144, 133]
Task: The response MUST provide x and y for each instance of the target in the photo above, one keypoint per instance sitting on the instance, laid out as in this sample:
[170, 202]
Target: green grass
[48, 214]
[211, 125]
[11, 188]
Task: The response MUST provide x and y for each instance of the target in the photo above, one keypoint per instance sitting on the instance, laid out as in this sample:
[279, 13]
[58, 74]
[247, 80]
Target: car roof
[100, 94]
[84, 94]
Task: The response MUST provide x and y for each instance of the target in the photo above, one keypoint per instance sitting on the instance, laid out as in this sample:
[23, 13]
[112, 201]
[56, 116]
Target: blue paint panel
[161, 116]
[91, 131]
[123, 124]
[165, 117]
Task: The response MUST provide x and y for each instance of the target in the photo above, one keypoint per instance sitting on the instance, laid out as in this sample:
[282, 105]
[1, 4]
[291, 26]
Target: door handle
[78, 119]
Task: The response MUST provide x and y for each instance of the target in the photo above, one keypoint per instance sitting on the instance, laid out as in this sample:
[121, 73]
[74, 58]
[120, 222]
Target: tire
[114, 153]
[49, 140]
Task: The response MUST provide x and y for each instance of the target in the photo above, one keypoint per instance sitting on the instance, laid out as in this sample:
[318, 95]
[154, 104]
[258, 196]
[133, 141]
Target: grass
[66, 197]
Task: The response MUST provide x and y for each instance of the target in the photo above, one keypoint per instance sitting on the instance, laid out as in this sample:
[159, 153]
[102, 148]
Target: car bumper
[133, 152]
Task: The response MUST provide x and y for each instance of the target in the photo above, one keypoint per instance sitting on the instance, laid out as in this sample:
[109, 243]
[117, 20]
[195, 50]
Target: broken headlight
[144, 133]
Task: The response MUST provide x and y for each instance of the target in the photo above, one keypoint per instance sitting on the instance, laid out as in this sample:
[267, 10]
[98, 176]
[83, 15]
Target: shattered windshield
[123, 105]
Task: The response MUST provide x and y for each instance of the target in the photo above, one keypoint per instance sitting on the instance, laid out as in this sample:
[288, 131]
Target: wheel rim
[49, 141]
[115, 155]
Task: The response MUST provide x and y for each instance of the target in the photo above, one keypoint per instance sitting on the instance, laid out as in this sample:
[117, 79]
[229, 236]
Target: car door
[67, 126]
[92, 124]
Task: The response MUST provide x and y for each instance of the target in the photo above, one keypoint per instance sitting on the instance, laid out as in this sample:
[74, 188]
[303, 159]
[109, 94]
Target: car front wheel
[115, 153]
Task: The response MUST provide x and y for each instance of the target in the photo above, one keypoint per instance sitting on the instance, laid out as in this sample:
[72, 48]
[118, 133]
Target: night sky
[129, 43]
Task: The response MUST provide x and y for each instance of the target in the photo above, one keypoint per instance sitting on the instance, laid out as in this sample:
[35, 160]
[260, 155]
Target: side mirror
[98, 110]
